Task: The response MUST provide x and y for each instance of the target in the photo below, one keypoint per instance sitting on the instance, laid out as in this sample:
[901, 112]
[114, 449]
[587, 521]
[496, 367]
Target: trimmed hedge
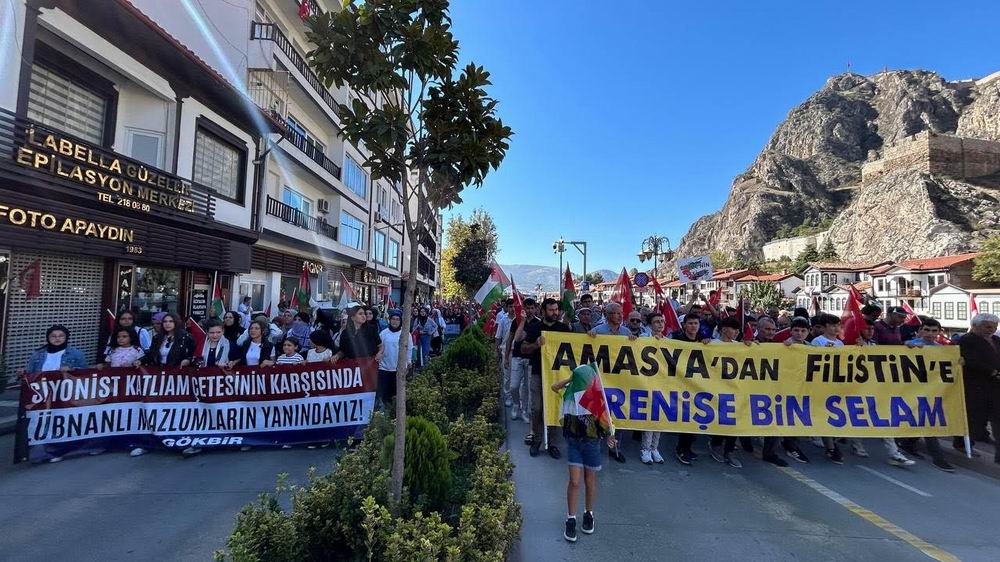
[453, 407]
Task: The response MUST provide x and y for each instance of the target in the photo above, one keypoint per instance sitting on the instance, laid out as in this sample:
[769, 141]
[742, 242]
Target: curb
[983, 465]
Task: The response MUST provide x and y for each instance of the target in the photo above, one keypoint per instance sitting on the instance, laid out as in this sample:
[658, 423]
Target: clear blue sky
[632, 118]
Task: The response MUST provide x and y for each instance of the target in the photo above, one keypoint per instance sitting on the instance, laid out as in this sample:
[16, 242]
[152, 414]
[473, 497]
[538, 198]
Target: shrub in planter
[427, 472]
[424, 398]
[491, 518]
[263, 533]
[467, 352]
[327, 513]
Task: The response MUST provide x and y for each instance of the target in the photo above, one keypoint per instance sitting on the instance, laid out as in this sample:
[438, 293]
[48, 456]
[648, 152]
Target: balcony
[270, 32]
[909, 292]
[309, 149]
[293, 216]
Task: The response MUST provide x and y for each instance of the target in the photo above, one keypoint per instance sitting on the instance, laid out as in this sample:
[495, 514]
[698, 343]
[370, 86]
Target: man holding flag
[586, 422]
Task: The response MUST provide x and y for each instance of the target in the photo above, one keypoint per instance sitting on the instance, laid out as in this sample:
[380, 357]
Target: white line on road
[9, 403]
[903, 485]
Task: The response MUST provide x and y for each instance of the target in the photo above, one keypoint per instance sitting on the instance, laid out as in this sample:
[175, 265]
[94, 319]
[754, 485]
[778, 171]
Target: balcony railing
[270, 32]
[309, 149]
[291, 215]
[908, 292]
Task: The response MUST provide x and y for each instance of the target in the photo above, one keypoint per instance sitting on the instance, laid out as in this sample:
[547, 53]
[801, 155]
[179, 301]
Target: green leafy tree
[809, 254]
[427, 130]
[470, 246]
[986, 267]
[592, 278]
[762, 295]
[828, 252]
[721, 260]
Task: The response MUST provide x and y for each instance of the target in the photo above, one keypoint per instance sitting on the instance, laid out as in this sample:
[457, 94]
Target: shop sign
[313, 267]
[124, 288]
[370, 277]
[41, 220]
[118, 180]
[199, 301]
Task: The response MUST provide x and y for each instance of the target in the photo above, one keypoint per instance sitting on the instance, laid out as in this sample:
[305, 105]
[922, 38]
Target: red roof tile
[846, 266]
[943, 262]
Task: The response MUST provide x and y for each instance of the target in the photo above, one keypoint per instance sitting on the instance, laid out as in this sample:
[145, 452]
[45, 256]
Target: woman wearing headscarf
[388, 366]
[437, 340]
[232, 327]
[359, 338]
[300, 330]
[427, 327]
[55, 355]
[172, 347]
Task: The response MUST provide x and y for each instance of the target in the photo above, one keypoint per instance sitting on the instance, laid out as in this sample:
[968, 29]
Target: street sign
[641, 279]
[585, 286]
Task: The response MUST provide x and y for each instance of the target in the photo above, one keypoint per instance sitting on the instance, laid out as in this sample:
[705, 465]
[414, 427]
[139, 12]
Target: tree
[425, 130]
[986, 267]
[721, 260]
[809, 254]
[828, 252]
[762, 295]
[469, 249]
[592, 278]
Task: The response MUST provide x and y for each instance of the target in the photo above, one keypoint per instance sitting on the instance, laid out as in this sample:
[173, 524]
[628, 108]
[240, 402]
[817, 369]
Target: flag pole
[968, 447]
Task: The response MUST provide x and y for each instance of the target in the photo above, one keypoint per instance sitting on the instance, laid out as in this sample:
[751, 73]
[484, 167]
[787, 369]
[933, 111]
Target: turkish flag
[30, 280]
[852, 320]
[973, 308]
[198, 334]
[518, 301]
[911, 317]
[622, 293]
[670, 320]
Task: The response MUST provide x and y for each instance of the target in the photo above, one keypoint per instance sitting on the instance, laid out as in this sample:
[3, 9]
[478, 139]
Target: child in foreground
[583, 443]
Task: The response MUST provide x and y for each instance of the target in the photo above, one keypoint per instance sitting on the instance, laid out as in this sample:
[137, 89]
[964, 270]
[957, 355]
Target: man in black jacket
[981, 352]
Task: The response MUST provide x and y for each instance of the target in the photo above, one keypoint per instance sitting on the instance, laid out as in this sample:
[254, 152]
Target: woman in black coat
[172, 347]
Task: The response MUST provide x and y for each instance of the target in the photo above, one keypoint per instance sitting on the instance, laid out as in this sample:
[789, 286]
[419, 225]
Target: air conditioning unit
[323, 206]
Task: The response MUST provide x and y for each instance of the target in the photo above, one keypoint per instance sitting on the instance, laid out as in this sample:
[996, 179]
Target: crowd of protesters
[518, 341]
[242, 338]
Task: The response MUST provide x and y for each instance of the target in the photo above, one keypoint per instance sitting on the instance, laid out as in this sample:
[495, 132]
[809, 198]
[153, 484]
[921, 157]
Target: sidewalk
[982, 464]
[8, 410]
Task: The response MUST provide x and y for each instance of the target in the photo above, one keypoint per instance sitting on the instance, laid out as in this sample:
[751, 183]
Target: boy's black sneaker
[554, 452]
[835, 456]
[684, 457]
[944, 465]
[533, 450]
[570, 533]
[588, 522]
[529, 439]
[796, 454]
[774, 459]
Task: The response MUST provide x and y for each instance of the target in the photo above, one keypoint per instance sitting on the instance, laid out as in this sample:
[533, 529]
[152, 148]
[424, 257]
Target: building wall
[792, 247]
[946, 155]
[11, 45]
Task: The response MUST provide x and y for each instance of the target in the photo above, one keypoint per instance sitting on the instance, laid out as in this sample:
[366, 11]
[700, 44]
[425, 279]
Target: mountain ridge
[527, 276]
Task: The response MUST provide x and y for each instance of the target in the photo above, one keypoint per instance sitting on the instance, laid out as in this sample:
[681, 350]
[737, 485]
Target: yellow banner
[768, 389]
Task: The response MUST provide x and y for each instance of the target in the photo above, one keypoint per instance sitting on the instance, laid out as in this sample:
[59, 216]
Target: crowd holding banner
[764, 379]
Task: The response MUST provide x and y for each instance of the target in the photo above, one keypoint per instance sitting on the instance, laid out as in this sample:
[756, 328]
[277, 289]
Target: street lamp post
[558, 247]
[656, 248]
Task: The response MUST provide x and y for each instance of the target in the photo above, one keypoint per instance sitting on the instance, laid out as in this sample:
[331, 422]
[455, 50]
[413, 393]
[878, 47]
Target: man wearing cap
[583, 323]
[887, 330]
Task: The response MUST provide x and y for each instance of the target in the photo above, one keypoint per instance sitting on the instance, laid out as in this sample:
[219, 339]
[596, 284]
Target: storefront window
[256, 293]
[156, 290]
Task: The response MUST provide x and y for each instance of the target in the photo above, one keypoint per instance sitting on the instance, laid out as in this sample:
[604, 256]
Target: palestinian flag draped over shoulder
[492, 290]
[568, 296]
[585, 396]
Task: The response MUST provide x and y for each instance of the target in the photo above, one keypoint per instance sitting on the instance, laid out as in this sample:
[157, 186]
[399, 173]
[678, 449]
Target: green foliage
[809, 226]
[476, 331]
[781, 265]
[467, 352]
[809, 254]
[263, 533]
[470, 246]
[427, 473]
[424, 397]
[828, 252]
[327, 513]
[762, 295]
[986, 267]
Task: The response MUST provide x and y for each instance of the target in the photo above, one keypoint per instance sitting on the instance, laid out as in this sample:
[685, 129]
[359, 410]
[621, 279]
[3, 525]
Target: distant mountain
[527, 277]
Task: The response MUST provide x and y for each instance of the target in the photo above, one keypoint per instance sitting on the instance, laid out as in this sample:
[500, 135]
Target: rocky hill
[811, 170]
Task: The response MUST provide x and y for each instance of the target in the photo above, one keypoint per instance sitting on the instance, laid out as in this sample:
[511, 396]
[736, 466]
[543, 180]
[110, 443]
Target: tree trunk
[399, 447]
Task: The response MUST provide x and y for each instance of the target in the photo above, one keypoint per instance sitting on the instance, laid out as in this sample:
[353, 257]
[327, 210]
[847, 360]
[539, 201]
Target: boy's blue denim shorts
[584, 452]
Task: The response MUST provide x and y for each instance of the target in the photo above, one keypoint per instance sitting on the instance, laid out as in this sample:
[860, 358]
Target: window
[826, 279]
[378, 248]
[218, 164]
[936, 309]
[983, 306]
[949, 311]
[355, 178]
[394, 261]
[963, 311]
[67, 104]
[255, 291]
[996, 308]
[314, 147]
[297, 201]
[881, 285]
[934, 280]
[352, 230]
[146, 146]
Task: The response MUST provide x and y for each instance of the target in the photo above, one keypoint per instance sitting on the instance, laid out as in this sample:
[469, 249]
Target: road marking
[880, 522]
[903, 485]
[9, 403]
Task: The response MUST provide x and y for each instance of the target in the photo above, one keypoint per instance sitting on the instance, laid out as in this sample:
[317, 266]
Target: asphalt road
[862, 510]
[156, 507]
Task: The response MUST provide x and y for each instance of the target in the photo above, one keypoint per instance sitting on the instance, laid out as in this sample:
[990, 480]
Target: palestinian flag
[218, 308]
[585, 396]
[492, 290]
[300, 297]
[568, 296]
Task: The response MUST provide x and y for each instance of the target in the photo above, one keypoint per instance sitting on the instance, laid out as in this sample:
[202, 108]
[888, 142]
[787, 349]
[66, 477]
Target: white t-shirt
[253, 354]
[822, 341]
[313, 356]
[53, 361]
[164, 351]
